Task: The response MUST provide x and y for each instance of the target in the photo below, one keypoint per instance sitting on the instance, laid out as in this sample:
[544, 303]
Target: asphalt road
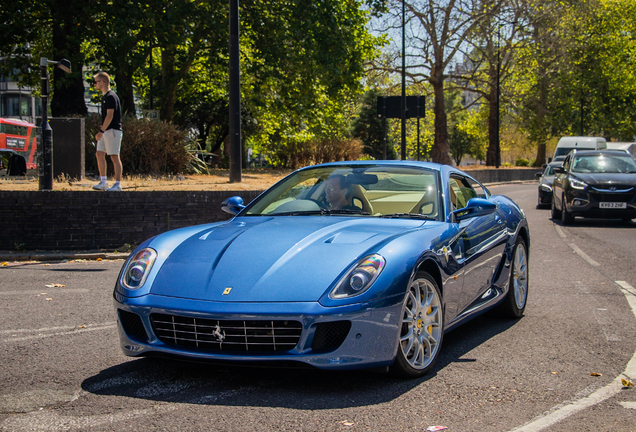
[61, 368]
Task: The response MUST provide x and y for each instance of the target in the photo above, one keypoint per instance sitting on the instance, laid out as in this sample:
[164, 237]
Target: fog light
[579, 202]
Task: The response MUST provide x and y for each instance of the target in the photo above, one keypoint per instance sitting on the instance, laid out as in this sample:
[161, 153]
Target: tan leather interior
[357, 198]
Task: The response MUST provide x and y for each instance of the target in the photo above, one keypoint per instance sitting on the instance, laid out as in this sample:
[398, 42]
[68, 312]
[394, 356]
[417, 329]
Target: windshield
[549, 170]
[604, 163]
[353, 190]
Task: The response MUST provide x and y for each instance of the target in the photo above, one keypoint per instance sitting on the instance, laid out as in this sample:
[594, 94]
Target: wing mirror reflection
[233, 205]
[559, 170]
[475, 207]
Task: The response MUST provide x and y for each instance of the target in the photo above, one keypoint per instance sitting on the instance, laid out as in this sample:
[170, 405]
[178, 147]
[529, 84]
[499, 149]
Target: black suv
[595, 184]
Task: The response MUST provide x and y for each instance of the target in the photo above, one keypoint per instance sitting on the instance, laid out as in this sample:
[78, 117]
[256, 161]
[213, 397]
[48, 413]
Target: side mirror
[539, 174]
[475, 207]
[559, 170]
[544, 165]
[233, 205]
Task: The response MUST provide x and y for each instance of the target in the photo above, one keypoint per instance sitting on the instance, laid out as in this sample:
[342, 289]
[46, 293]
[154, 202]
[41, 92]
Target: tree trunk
[125, 92]
[493, 126]
[67, 89]
[440, 152]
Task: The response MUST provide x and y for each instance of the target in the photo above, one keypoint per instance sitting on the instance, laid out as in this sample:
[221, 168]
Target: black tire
[566, 216]
[515, 303]
[554, 213]
[422, 328]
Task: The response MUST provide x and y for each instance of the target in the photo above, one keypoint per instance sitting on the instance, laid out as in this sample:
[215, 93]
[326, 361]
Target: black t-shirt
[111, 101]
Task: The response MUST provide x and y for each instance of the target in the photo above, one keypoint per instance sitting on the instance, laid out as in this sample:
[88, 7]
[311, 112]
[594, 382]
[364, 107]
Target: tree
[437, 32]
[369, 128]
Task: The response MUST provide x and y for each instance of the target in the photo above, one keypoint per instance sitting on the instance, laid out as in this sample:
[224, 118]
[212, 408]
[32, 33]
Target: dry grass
[251, 179]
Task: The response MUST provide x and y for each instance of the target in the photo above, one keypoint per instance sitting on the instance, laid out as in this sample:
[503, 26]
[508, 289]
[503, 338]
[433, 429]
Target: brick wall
[88, 220]
[64, 220]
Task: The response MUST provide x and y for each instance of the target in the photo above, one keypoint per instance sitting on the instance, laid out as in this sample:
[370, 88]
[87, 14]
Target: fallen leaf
[5, 264]
[43, 294]
[346, 423]
[98, 259]
[554, 373]
[46, 265]
[626, 383]
[596, 374]
[82, 326]
[49, 299]
[435, 428]
[55, 285]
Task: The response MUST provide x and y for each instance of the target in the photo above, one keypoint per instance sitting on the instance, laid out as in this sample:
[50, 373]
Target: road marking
[51, 291]
[561, 412]
[50, 421]
[75, 331]
[560, 232]
[583, 255]
[48, 329]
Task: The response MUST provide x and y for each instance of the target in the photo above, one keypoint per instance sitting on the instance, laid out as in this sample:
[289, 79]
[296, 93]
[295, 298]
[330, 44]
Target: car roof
[594, 152]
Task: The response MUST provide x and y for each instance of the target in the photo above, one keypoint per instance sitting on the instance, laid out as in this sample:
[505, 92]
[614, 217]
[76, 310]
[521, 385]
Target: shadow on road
[294, 388]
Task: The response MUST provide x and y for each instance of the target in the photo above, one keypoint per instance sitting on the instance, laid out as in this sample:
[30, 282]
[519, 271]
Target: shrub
[148, 147]
[522, 163]
[298, 154]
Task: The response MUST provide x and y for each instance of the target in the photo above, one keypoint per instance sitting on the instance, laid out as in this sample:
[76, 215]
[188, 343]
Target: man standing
[109, 135]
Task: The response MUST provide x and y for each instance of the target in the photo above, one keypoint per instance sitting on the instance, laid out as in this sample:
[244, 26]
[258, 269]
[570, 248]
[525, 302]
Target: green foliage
[522, 162]
[460, 143]
[301, 153]
[148, 147]
[369, 128]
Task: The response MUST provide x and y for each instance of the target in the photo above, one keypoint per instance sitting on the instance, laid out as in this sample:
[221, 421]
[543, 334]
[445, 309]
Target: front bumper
[585, 204]
[370, 342]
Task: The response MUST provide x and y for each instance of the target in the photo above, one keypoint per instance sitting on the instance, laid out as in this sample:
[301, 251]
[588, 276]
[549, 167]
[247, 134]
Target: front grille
[330, 335]
[612, 196]
[254, 336]
[132, 325]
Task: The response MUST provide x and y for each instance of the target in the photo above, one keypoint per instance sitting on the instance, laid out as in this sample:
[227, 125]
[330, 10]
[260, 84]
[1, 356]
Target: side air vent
[134, 328]
[330, 335]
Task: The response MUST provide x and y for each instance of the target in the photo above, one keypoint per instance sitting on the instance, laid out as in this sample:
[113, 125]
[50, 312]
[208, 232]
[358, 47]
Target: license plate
[613, 205]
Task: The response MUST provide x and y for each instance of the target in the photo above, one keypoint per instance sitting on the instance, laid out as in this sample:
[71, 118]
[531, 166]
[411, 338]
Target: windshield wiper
[345, 211]
[407, 216]
[320, 212]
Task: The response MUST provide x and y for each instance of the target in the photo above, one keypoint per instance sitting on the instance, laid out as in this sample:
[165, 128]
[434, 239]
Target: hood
[270, 259]
[606, 180]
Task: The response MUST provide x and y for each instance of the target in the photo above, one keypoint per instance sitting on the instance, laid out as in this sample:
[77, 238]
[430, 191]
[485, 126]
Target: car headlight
[577, 184]
[137, 269]
[545, 188]
[360, 278]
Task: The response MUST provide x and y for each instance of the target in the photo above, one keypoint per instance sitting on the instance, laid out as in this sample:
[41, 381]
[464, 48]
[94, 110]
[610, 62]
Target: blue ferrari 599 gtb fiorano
[339, 266]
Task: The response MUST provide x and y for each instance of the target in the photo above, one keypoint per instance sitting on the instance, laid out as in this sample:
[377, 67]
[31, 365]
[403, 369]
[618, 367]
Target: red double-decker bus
[19, 136]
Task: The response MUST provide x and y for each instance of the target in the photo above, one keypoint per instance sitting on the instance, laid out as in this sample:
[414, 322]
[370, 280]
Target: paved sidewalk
[9, 256]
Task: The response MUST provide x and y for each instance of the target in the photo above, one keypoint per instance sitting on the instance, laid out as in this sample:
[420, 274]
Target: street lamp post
[45, 150]
[498, 156]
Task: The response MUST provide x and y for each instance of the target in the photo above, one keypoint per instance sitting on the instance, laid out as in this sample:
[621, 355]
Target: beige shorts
[110, 142]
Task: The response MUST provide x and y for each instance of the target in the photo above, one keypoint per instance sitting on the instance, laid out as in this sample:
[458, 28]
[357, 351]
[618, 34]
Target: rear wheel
[422, 328]
[515, 302]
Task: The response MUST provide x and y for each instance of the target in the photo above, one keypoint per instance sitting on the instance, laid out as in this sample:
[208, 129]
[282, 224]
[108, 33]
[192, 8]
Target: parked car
[544, 197]
[595, 184]
[338, 266]
[569, 143]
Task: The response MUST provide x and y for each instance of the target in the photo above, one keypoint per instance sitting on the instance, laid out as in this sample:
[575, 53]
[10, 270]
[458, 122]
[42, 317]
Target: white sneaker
[114, 188]
[101, 186]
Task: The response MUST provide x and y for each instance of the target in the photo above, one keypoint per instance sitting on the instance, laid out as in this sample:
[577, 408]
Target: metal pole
[235, 95]
[418, 135]
[403, 128]
[498, 158]
[45, 156]
[385, 132]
